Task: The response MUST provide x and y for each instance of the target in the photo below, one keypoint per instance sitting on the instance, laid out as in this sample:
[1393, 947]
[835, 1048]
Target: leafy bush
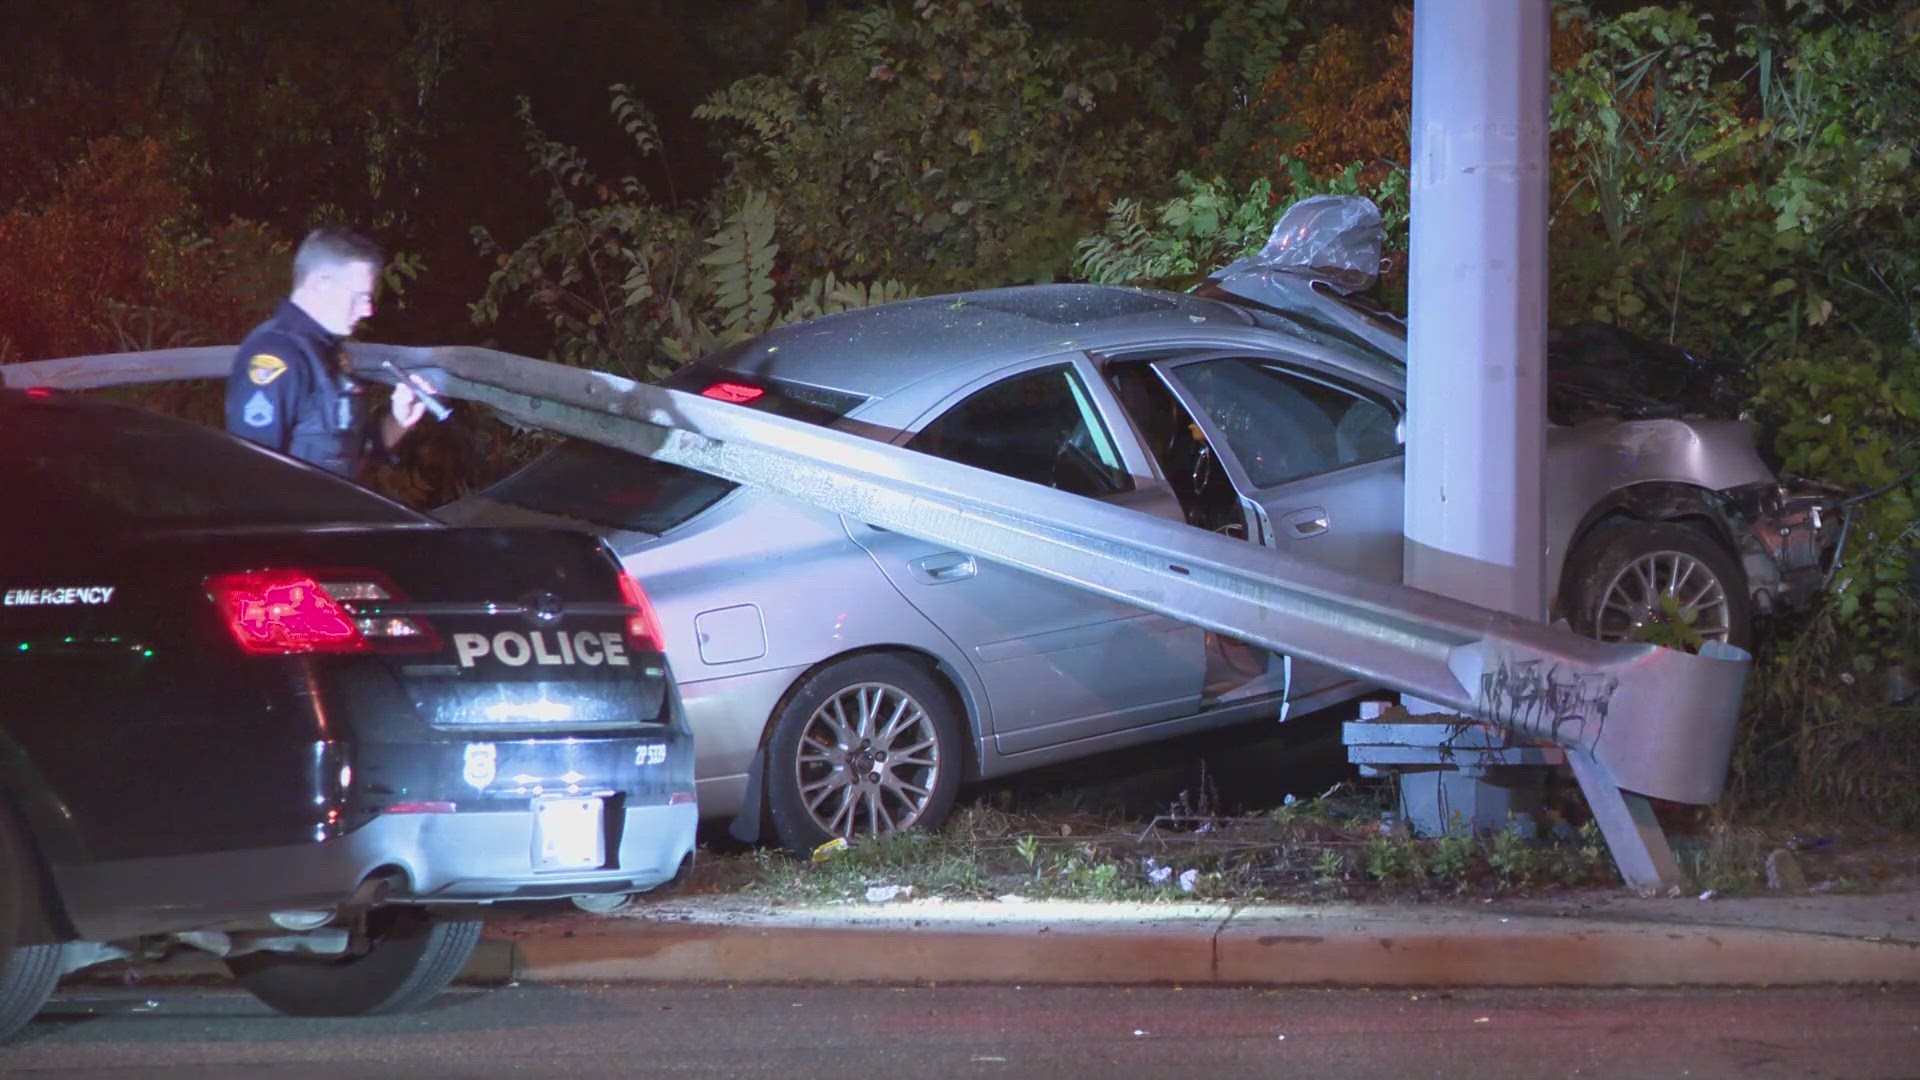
[945, 146]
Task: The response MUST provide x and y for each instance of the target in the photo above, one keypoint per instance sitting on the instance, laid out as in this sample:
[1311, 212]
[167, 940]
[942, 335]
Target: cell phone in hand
[419, 386]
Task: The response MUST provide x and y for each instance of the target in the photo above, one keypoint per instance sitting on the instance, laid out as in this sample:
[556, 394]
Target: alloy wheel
[869, 760]
[1663, 589]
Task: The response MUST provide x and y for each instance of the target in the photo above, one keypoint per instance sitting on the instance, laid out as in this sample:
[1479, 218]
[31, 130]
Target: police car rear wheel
[866, 747]
[413, 957]
[27, 972]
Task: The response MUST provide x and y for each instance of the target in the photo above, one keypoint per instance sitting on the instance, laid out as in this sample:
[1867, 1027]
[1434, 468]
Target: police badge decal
[263, 369]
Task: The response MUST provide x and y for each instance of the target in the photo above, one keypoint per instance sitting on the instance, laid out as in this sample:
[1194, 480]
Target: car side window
[1039, 426]
[1283, 424]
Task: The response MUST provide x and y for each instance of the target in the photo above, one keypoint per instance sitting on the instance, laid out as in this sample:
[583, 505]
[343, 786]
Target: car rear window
[589, 482]
[597, 484]
[120, 469]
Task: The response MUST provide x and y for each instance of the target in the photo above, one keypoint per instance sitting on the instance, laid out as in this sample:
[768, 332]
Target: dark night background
[397, 116]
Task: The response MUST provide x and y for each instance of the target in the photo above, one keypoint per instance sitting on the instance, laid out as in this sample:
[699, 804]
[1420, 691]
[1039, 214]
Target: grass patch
[1346, 845]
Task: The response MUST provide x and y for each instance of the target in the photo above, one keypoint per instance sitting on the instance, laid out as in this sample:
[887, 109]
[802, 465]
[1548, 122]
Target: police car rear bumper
[492, 856]
[474, 857]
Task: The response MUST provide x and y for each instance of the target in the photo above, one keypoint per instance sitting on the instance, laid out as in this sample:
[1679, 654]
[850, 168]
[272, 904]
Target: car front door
[1059, 663]
[1317, 459]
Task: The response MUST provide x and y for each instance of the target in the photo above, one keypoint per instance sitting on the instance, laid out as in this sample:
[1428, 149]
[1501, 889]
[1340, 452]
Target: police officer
[290, 388]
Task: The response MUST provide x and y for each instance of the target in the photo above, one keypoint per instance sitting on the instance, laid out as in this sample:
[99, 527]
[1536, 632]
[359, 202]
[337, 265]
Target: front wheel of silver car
[410, 958]
[1656, 582]
[865, 747]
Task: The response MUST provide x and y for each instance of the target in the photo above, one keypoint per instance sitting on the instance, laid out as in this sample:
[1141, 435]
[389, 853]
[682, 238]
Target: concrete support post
[1476, 393]
[1477, 305]
[1476, 367]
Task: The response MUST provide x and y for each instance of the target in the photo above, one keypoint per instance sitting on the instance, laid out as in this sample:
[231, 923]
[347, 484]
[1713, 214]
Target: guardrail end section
[1640, 849]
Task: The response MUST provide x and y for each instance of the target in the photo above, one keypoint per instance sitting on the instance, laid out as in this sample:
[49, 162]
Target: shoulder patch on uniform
[264, 368]
[258, 411]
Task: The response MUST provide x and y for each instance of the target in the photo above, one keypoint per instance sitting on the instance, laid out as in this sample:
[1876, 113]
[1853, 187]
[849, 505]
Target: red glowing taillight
[738, 393]
[39, 393]
[284, 612]
[643, 627]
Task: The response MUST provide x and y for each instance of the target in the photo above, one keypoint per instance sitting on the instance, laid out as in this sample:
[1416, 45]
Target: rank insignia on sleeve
[263, 369]
[258, 411]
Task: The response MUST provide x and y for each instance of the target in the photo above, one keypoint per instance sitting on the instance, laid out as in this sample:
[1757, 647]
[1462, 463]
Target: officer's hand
[407, 406]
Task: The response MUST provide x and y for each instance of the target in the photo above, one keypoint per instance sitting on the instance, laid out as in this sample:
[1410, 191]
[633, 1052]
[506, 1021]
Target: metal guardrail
[1635, 720]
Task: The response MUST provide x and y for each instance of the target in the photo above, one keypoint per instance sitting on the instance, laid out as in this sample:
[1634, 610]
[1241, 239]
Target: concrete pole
[1476, 348]
[1477, 303]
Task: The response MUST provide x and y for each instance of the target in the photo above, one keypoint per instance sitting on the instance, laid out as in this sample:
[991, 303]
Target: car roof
[875, 352]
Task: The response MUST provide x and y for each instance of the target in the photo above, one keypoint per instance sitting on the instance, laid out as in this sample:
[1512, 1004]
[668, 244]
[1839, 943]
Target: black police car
[251, 707]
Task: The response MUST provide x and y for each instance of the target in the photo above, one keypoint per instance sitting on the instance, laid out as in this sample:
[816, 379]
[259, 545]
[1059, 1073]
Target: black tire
[412, 959]
[1597, 591]
[831, 791]
[27, 972]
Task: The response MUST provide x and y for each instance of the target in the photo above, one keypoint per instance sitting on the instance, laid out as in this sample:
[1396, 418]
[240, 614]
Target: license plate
[569, 833]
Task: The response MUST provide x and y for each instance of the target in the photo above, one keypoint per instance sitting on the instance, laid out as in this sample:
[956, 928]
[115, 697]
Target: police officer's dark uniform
[289, 390]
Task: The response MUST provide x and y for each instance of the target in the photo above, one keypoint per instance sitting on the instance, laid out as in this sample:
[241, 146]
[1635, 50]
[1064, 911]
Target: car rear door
[1059, 663]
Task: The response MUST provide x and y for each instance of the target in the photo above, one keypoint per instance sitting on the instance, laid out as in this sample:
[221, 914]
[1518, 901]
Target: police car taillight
[385, 630]
[283, 612]
[643, 628]
[277, 612]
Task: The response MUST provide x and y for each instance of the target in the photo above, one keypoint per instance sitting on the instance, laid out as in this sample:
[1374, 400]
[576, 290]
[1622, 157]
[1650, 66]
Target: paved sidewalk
[1599, 939]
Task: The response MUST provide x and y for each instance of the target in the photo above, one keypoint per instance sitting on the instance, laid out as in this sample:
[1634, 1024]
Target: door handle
[1304, 523]
[944, 567]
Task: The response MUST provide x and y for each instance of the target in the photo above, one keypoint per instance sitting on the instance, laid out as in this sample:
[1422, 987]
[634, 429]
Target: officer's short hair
[326, 248]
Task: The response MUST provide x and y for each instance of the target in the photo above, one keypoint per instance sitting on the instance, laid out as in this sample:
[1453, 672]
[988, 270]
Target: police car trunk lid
[494, 630]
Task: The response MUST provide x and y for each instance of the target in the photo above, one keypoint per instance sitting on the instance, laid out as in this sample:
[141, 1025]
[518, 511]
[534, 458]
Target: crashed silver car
[844, 680]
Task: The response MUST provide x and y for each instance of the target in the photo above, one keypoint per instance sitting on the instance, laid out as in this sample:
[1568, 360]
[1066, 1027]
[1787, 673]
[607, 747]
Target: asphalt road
[592, 1031]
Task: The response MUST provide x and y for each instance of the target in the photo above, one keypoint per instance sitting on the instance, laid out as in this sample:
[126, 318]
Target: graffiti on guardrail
[1537, 696]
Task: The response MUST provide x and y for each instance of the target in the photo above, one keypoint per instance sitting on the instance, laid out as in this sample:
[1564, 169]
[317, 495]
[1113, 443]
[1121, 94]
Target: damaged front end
[1790, 536]
[1648, 398]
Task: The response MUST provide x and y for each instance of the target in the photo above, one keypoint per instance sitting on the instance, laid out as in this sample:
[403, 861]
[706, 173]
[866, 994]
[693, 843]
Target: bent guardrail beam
[122, 369]
[1636, 720]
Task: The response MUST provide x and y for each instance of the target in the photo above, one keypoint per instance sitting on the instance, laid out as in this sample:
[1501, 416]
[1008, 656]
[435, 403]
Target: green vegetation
[1344, 846]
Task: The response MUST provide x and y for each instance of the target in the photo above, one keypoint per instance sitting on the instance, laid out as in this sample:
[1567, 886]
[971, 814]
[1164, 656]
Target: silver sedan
[843, 680]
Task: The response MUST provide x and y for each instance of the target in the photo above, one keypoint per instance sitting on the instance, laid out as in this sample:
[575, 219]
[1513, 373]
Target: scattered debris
[1189, 879]
[829, 849]
[881, 894]
[1783, 871]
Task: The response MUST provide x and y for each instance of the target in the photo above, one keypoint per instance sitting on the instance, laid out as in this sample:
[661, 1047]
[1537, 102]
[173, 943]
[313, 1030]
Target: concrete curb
[1402, 954]
[1608, 942]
